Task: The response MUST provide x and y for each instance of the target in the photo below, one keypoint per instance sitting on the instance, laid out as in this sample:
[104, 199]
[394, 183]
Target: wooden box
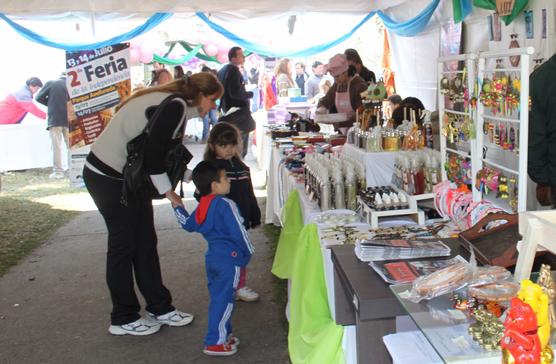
[495, 246]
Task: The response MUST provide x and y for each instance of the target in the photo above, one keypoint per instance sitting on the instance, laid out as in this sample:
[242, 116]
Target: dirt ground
[55, 306]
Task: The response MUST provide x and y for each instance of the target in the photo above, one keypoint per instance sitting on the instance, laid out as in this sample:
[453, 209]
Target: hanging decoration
[517, 8]
[405, 29]
[462, 8]
[152, 22]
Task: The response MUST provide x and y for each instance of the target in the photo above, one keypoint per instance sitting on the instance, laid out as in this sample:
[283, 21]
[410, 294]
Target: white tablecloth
[24, 146]
[279, 185]
[379, 167]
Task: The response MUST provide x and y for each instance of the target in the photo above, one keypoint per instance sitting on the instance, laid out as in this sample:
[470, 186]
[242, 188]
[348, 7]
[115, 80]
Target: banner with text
[97, 80]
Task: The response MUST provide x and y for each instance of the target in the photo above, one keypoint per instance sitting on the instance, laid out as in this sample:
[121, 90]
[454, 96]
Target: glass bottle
[339, 196]
[351, 189]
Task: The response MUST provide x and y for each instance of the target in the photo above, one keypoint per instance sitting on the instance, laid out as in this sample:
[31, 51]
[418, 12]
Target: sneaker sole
[218, 353]
[116, 330]
[244, 299]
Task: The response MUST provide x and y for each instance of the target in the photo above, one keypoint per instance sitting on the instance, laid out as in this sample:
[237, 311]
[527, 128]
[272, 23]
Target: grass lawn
[280, 288]
[29, 212]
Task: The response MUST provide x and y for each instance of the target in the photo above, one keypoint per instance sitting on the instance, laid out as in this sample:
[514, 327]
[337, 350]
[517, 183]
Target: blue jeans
[210, 119]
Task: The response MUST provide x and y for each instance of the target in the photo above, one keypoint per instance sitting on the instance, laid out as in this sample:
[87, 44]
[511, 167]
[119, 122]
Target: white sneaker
[140, 327]
[246, 294]
[172, 318]
[56, 175]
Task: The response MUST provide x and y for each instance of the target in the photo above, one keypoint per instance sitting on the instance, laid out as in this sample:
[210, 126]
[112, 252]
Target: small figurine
[548, 286]
[520, 344]
[487, 330]
[533, 295]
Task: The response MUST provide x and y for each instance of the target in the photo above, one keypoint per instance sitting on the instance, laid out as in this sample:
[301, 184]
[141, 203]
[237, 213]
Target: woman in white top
[132, 237]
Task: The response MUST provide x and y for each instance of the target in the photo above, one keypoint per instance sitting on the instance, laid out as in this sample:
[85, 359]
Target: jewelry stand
[522, 120]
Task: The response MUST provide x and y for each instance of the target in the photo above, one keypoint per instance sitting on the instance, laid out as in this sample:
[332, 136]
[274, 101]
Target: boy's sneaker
[172, 318]
[220, 350]
[233, 341]
[246, 294]
[140, 327]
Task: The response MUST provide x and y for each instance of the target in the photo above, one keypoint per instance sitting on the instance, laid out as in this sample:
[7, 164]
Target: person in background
[55, 96]
[355, 60]
[345, 94]
[16, 105]
[324, 86]
[160, 76]
[301, 76]
[408, 104]
[541, 165]
[235, 101]
[313, 82]
[284, 80]
[178, 72]
[211, 117]
[229, 250]
[132, 255]
[223, 151]
[393, 102]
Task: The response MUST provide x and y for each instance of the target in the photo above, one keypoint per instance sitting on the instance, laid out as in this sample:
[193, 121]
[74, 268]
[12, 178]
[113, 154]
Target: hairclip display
[458, 128]
[500, 94]
[491, 180]
[501, 134]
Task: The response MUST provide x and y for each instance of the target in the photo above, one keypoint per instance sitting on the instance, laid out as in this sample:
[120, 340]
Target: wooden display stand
[538, 229]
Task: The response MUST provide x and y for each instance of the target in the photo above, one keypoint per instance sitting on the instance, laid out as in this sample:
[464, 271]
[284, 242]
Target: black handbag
[241, 118]
[136, 181]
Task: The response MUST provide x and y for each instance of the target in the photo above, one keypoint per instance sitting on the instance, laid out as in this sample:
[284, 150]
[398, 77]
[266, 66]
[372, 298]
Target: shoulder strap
[157, 113]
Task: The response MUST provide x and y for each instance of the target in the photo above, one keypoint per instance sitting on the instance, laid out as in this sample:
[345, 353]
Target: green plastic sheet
[314, 337]
[519, 5]
[287, 243]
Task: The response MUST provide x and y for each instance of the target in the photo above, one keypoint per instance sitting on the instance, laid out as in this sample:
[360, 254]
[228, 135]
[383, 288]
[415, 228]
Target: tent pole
[93, 26]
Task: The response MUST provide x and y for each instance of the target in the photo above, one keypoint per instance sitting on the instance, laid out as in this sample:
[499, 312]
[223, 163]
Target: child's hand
[174, 198]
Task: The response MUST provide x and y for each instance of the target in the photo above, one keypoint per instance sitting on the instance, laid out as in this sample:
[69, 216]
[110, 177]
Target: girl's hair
[191, 89]
[282, 67]
[221, 134]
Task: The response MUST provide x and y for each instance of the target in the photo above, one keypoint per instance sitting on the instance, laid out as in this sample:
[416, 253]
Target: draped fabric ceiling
[246, 8]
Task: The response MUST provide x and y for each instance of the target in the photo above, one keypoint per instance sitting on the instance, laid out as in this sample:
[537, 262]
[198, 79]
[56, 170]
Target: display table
[279, 186]
[362, 298]
[24, 146]
[446, 329]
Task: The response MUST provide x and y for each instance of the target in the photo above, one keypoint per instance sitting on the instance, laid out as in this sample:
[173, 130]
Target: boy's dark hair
[222, 134]
[316, 64]
[203, 175]
[232, 52]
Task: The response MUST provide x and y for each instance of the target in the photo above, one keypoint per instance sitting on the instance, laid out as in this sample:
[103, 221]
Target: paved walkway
[54, 306]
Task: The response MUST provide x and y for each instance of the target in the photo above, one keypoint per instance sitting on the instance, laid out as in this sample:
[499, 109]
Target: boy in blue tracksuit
[229, 248]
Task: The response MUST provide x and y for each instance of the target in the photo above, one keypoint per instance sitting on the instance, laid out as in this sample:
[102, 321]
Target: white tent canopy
[244, 7]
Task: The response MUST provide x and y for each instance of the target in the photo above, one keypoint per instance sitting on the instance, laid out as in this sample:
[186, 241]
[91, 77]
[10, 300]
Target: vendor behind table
[345, 95]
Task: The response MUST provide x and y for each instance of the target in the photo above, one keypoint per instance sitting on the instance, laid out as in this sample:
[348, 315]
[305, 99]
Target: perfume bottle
[351, 189]
[339, 197]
